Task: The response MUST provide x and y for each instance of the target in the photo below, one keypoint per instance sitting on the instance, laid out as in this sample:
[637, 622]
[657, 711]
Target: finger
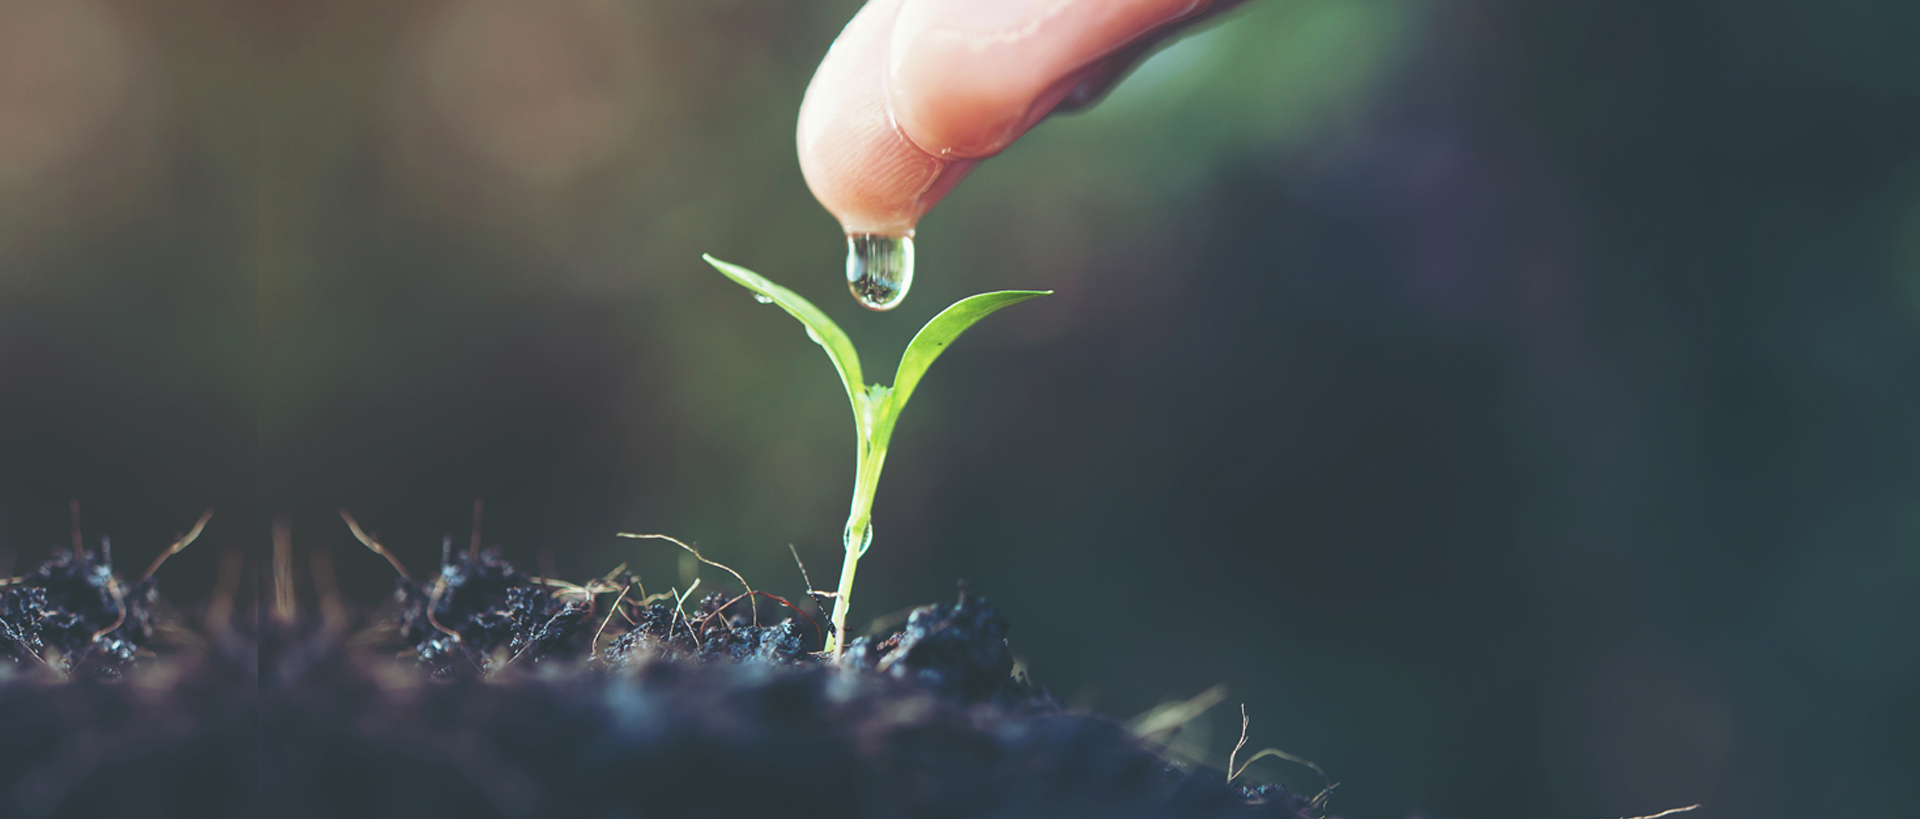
[874, 173]
[1100, 79]
[965, 78]
[866, 173]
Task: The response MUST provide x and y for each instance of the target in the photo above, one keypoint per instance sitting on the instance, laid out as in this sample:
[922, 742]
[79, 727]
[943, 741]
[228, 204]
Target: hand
[914, 93]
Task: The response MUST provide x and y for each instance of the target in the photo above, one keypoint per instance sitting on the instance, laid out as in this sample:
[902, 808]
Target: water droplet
[879, 269]
[865, 541]
[763, 298]
[815, 336]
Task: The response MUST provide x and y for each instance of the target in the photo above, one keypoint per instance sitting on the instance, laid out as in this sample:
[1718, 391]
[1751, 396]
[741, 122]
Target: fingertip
[857, 163]
[965, 78]
[914, 92]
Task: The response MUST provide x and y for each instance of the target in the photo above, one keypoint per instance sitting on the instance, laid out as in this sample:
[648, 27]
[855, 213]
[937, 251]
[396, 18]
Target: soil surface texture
[485, 692]
[72, 616]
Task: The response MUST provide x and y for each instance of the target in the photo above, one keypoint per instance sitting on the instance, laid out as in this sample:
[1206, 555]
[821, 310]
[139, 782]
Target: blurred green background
[1515, 404]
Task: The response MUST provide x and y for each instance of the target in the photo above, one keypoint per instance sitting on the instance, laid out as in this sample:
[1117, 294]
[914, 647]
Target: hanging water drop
[763, 298]
[879, 269]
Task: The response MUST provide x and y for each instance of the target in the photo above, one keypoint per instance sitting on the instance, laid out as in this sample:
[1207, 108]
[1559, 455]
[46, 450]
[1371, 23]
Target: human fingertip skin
[855, 160]
[965, 78]
[914, 92]
[869, 177]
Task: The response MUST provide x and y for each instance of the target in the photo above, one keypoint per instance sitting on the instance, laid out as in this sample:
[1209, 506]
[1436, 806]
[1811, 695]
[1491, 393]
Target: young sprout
[876, 407]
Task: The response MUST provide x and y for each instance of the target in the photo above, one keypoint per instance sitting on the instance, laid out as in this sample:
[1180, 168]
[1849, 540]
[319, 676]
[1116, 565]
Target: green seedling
[876, 407]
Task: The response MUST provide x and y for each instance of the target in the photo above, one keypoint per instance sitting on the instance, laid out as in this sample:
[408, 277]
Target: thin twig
[588, 591]
[593, 648]
[181, 543]
[703, 559]
[803, 569]
[1238, 745]
[680, 598]
[678, 601]
[564, 587]
[782, 601]
[433, 602]
[373, 543]
[774, 597]
[720, 613]
[593, 587]
[1234, 773]
[119, 605]
[813, 594]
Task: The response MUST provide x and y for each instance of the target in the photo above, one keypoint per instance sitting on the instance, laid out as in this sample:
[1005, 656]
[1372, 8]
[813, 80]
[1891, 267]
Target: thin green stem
[840, 602]
[875, 407]
[859, 532]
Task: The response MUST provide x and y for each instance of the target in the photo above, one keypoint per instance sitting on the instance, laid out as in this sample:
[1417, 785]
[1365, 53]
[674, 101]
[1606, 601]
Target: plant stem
[859, 532]
[840, 602]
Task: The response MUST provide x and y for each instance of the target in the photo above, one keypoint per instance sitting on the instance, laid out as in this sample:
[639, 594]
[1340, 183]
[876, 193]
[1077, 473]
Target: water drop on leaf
[866, 537]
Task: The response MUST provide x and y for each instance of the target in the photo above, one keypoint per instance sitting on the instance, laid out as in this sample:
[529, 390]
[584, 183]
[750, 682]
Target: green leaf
[819, 328]
[932, 340]
[875, 408]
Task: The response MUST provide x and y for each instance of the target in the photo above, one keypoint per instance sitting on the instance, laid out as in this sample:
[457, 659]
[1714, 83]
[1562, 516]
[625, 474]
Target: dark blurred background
[1515, 404]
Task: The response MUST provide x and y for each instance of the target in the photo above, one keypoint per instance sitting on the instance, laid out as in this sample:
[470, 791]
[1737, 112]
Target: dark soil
[695, 711]
[50, 617]
[103, 726]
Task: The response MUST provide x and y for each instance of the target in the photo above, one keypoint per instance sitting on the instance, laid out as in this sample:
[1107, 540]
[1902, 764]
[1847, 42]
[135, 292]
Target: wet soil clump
[72, 616]
[959, 652]
[480, 612]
